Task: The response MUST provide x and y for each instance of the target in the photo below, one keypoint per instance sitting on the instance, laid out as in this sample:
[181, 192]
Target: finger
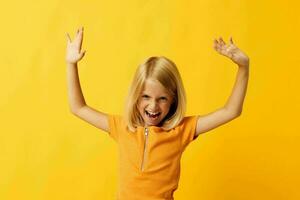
[232, 48]
[215, 44]
[222, 41]
[221, 47]
[79, 37]
[68, 38]
[218, 49]
[80, 29]
[82, 54]
[230, 40]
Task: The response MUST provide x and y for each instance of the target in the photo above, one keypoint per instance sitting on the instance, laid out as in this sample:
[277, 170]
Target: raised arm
[234, 105]
[76, 100]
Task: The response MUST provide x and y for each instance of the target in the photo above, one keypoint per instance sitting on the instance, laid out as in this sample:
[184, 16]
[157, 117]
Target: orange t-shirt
[150, 164]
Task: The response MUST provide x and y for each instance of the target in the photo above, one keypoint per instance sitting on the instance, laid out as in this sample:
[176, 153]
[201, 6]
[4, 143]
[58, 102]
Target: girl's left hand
[231, 51]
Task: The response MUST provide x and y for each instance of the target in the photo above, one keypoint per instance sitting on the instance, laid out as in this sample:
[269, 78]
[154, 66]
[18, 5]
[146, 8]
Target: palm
[231, 51]
[74, 53]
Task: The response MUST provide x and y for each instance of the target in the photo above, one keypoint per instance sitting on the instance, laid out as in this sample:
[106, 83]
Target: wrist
[243, 69]
[244, 65]
[71, 64]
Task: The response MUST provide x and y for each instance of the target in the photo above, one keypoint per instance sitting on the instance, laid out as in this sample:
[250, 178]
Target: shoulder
[189, 121]
[116, 121]
[115, 117]
[116, 126]
[187, 128]
[188, 124]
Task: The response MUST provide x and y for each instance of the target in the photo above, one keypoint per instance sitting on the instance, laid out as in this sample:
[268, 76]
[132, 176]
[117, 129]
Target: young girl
[154, 131]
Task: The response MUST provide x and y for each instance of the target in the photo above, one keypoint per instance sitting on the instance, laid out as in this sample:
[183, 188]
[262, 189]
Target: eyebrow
[144, 94]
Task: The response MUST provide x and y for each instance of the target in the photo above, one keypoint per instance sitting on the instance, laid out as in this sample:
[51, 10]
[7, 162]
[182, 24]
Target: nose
[153, 105]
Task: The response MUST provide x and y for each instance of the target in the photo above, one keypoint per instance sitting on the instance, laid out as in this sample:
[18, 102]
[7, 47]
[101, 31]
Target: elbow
[234, 112]
[238, 113]
[73, 111]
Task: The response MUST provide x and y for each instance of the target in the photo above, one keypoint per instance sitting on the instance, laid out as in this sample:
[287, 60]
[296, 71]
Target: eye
[163, 98]
[145, 96]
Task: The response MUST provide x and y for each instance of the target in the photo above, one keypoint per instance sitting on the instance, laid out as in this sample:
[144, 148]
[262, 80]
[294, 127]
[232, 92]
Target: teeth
[151, 114]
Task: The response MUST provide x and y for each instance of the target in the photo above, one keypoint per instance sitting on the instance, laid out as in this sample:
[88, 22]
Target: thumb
[82, 54]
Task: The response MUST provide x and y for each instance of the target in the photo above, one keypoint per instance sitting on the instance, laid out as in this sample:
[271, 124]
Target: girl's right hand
[74, 53]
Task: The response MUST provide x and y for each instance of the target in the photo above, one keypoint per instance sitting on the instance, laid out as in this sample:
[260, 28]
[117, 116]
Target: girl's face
[154, 102]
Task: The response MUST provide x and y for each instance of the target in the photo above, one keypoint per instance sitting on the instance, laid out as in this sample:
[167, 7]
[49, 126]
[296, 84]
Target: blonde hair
[166, 72]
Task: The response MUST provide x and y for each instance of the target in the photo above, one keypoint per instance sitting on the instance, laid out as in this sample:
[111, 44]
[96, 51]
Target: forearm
[236, 99]
[75, 96]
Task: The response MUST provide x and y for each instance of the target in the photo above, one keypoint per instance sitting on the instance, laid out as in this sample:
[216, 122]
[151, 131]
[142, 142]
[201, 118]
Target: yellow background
[46, 153]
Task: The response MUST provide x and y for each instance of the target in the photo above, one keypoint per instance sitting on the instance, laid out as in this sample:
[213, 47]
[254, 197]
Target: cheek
[141, 106]
[141, 103]
[165, 107]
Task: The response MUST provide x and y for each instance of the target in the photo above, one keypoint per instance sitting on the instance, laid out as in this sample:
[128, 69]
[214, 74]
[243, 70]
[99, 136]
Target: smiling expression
[154, 102]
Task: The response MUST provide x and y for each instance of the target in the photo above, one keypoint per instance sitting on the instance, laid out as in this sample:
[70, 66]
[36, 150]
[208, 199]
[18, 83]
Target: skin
[234, 105]
[155, 99]
[230, 110]
[231, 51]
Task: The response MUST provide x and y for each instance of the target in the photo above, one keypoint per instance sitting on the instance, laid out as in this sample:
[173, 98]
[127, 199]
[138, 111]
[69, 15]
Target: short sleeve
[114, 122]
[188, 130]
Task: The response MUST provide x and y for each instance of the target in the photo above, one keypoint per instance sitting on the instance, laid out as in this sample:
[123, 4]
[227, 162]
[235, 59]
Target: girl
[154, 131]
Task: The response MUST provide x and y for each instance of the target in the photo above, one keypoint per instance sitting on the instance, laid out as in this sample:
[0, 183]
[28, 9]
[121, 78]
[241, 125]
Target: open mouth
[152, 115]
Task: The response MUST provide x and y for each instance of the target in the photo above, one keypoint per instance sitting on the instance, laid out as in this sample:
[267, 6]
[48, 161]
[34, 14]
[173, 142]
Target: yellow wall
[46, 153]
